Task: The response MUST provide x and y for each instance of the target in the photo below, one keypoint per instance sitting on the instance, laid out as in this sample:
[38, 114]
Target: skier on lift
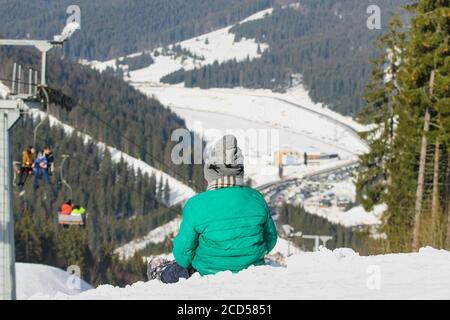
[50, 159]
[28, 157]
[40, 166]
[66, 208]
[228, 227]
[78, 210]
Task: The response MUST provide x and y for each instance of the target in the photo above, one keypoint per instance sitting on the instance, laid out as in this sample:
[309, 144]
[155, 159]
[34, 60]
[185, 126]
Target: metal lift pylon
[10, 112]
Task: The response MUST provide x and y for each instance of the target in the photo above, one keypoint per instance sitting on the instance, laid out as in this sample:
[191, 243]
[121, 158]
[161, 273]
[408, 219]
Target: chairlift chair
[70, 220]
[67, 220]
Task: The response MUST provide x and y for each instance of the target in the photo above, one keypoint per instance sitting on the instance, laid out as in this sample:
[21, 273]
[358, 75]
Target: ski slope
[38, 279]
[326, 274]
[179, 192]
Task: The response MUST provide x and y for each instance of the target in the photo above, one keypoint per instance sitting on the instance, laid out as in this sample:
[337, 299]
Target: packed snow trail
[338, 274]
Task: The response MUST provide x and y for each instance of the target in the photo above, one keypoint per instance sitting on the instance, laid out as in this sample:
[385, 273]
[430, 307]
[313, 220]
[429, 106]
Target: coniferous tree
[423, 97]
[379, 114]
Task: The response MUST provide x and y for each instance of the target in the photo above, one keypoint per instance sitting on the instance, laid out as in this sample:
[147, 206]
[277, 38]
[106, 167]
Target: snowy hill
[218, 45]
[34, 280]
[338, 274]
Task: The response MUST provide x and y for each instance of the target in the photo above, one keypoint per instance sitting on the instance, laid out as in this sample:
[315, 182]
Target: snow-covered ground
[338, 274]
[179, 192]
[38, 279]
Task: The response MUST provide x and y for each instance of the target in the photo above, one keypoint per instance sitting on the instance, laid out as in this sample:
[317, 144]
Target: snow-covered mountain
[338, 274]
[281, 121]
[295, 120]
[218, 45]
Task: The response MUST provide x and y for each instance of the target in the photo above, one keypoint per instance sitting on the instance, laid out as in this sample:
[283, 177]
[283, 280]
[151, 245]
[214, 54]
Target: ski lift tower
[11, 109]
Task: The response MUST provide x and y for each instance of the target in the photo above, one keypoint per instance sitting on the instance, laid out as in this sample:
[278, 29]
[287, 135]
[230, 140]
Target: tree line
[327, 42]
[111, 29]
[408, 105]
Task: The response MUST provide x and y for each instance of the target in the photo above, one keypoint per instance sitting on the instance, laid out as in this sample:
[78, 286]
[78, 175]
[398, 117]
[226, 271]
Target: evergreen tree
[167, 192]
[423, 97]
[379, 114]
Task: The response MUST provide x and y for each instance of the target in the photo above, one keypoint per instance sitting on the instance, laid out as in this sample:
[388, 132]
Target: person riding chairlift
[78, 210]
[50, 159]
[28, 157]
[40, 166]
[66, 208]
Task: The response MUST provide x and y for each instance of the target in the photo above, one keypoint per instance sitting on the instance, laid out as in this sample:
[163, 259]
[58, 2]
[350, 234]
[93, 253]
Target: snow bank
[35, 280]
[338, 274]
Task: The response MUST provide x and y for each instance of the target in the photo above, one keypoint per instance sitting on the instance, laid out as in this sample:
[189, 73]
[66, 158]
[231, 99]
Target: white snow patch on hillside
[179, 192]
[4, 91]
[326, 274]
[262, 108]
[259, 15]
[218, 45]
[155, 236]
[354, 217]
[37, 279]
[359, 216]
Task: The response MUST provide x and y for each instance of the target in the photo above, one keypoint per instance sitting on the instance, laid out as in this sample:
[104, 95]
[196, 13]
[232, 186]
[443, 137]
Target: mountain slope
[143, 23]
[326, 42]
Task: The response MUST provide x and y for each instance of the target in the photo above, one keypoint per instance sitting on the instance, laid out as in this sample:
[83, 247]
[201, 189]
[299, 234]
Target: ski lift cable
[85, 164]
[179, 176]
[20, 82]
[61, 172]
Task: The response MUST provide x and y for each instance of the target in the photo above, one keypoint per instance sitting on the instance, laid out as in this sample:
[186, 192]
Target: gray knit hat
[225, 165]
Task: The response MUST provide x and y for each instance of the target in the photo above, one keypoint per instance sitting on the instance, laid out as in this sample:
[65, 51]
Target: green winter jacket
[225, 229]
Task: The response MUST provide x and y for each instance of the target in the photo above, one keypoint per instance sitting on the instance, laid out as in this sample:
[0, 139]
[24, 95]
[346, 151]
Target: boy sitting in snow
[228, 227]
